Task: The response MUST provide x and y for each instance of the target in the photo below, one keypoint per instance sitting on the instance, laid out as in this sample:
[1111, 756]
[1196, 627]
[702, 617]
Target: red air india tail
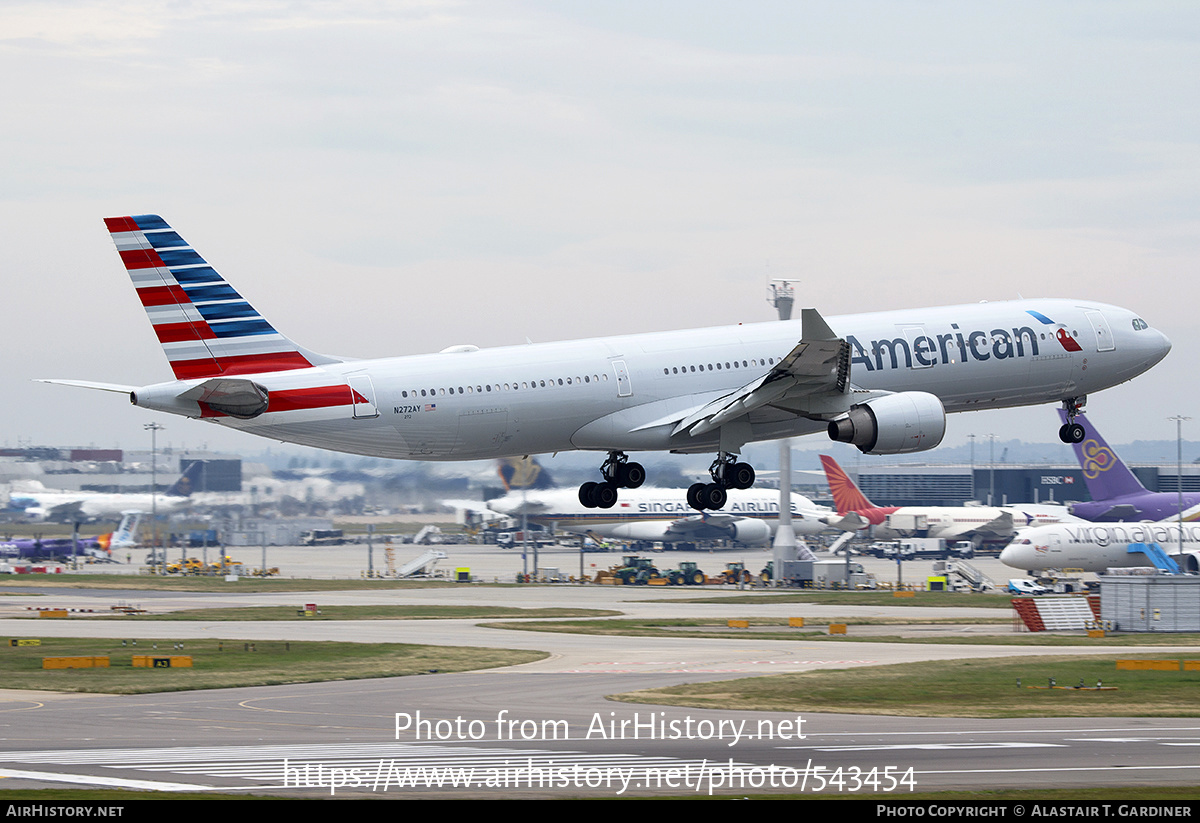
[846, 495]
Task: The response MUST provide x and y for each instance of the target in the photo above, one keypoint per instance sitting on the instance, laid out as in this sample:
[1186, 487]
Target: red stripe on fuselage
[242, 364]
[876, 515]
[281, 400]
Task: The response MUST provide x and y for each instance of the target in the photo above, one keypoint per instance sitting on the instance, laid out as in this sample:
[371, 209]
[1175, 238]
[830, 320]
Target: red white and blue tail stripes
[205, 327]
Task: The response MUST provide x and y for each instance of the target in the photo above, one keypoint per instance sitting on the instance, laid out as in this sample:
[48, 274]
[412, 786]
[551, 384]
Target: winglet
[814, 326]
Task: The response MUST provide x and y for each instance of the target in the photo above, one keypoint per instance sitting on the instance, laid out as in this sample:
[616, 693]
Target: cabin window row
[728, 366]
[503, 387]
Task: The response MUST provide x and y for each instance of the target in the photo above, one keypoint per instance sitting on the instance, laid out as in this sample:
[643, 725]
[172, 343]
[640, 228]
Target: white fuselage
[1094, 547]
[627, 393]
[988, 524]
[664, 515]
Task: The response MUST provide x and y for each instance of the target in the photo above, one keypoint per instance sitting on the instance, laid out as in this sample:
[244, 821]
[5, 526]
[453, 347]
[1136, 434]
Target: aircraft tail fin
[846, 495]
[205, 327]
[1104, 473]
[184, 486]
[126, 534]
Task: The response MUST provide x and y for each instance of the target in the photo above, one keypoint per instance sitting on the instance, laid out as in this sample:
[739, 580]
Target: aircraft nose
[1012, 556]
[1164, 344]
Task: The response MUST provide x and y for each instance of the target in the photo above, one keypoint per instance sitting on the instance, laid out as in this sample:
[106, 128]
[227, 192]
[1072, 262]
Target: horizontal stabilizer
[89, 384]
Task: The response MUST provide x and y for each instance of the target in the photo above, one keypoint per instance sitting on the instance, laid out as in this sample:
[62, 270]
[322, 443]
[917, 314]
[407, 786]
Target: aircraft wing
[702, 523]
[850, 522]
[69, 510]
[817, 369]
[1001, 526]
[1121, 512]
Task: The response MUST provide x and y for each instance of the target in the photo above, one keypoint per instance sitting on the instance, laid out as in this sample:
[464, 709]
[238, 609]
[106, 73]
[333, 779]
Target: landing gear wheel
[587, 495]
[605, 495]
[694, 496]
[741, 476]
[714, 496]
[1072, 433]
[631, 475]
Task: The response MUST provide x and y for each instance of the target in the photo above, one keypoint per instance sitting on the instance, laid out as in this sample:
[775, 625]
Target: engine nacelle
[751, 532]
[910, 421]
[1189, 563]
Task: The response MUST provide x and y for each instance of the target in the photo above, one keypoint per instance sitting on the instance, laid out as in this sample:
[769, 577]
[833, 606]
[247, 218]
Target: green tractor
[686, 575]
[636, 571]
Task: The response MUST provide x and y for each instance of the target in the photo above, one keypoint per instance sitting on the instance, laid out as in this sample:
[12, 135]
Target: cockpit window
[1139, 324]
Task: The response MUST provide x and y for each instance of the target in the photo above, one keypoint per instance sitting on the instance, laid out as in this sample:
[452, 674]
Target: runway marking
[1166, 741]
[100, 780]
[684, 667]
[931, 747]
[266, 764]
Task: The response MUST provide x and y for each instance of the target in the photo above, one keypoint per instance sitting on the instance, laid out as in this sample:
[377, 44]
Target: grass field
[246, 585]
[1013, 687]
[425, 612]
[219, 664]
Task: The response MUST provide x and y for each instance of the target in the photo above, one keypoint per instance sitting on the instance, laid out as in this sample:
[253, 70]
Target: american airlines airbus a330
[882, 381]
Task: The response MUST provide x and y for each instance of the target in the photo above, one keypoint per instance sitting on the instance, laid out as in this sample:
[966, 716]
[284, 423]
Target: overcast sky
[384, 178]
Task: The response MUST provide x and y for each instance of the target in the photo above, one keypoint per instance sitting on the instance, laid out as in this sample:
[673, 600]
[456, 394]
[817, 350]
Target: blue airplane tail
[186, 483]
[1105, 474]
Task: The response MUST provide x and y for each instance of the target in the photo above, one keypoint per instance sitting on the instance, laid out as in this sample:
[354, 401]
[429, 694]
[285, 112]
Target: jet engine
[750, 532]
[893, 424]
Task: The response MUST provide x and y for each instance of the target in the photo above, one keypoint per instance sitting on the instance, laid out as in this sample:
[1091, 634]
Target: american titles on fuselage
[921, 350]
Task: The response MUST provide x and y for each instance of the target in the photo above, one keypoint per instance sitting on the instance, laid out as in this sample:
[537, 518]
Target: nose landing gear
[1072, 432]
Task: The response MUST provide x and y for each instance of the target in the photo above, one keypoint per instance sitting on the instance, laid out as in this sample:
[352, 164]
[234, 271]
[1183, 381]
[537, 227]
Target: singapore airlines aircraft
[882, 381]
[751, 517]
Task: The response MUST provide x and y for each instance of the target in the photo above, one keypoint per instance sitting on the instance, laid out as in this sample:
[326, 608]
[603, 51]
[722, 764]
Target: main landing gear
[618, 473]
[727, 474]
[1072, 432]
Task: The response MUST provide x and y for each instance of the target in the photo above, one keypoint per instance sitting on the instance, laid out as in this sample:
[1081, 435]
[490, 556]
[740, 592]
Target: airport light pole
[1179, 419]
[971, 437]
[783, 297]
[154, 429]
[991, 469]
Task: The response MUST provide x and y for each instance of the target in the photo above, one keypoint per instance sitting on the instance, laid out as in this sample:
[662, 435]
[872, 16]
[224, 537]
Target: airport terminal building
[953, 485]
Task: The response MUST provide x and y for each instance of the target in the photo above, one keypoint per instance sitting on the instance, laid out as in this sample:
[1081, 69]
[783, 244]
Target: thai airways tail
[846, 495]
[1104, 473]
[206, 328]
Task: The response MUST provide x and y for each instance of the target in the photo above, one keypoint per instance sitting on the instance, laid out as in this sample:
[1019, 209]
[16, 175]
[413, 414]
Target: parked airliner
[882, 381]
[1094, 547]
[979, 524]
[1116, 492]
[34, 501]
[664, 515]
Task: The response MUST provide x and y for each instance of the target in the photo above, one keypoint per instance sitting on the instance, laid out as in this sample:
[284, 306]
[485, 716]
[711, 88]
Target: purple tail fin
[1106, 476]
